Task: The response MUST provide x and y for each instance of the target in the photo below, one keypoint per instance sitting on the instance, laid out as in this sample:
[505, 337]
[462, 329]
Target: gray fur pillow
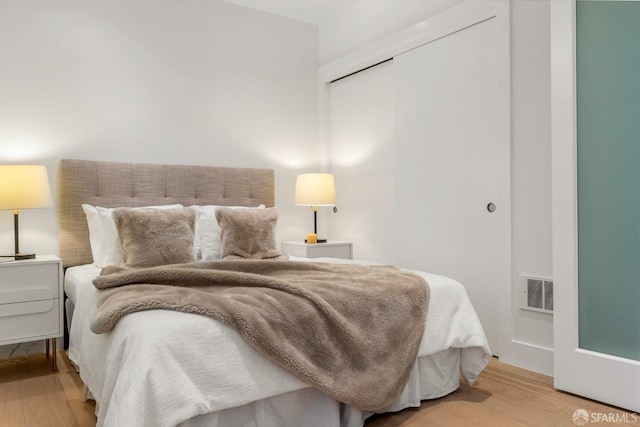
[151, 237]
[248, 233]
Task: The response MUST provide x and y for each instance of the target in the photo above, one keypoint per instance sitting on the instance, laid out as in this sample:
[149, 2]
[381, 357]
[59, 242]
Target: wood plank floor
[31, 395]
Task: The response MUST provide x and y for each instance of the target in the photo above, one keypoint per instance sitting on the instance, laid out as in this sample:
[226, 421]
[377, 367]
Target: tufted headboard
[113, 184]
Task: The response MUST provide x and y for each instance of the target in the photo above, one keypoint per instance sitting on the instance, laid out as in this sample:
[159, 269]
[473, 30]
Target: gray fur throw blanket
[352, 331]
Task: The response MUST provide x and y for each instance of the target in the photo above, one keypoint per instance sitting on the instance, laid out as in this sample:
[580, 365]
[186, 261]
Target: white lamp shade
[24, 187]
[315, 189]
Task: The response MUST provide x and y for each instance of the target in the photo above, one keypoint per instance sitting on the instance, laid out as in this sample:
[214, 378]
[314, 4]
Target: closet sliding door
[420, 148]
[452, 156]
[362, 161]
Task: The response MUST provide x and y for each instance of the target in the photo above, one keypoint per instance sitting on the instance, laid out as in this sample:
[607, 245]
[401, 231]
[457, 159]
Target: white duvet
[160, 368]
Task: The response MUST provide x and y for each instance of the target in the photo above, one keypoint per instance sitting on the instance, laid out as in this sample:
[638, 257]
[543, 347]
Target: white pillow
[207, 234]
[96, 234]
[103, 234]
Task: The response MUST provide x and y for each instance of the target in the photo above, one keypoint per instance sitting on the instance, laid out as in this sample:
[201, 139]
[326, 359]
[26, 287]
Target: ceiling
[310, 11]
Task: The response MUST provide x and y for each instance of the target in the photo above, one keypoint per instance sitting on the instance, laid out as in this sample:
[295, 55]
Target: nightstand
[331, 249]
[31, 297]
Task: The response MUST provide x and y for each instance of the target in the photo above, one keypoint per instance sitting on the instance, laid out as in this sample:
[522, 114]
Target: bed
[170, 368]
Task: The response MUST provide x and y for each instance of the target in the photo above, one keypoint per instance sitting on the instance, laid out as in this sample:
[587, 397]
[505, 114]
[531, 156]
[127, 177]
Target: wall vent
[537, 295]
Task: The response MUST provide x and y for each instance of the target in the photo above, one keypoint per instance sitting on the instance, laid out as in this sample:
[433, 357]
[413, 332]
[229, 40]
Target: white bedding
[148, 371]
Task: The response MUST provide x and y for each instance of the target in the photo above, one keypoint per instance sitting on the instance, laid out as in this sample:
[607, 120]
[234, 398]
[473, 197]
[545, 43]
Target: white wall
[206, 82]
[531, 171]
[369, 22]
[198, 82]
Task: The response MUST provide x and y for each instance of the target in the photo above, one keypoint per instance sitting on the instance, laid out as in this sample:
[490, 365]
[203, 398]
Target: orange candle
[312, 238]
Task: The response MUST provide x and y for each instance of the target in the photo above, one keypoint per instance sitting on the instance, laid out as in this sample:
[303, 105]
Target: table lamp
[315, 189]
[23, 187]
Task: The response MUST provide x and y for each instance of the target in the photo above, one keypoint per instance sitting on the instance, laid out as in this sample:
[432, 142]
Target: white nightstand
[331, 249]
[31, 297]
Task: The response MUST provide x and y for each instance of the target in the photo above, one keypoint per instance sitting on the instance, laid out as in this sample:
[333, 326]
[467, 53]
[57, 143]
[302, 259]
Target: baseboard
[528, 356]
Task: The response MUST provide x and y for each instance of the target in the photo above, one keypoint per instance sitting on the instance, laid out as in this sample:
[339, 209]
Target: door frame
[583, 372]
[449, 21]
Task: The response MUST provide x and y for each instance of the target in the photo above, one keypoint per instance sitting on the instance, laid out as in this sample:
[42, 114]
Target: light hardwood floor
[31, 395]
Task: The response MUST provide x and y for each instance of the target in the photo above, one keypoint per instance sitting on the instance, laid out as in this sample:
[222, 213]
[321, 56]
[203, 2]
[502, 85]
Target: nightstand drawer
[30, 307]
[324, 251]
[27, 277]
[29, 320]
[22, 295]
[330, 249]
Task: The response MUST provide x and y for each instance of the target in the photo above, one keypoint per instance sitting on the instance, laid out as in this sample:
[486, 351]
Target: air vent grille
[534, 293]
[538, 294]
[548, 295]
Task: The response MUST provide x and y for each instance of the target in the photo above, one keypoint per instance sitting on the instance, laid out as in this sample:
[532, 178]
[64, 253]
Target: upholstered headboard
[112, 184]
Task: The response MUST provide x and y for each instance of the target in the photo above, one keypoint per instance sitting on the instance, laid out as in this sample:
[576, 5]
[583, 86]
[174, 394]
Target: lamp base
[23, 256]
